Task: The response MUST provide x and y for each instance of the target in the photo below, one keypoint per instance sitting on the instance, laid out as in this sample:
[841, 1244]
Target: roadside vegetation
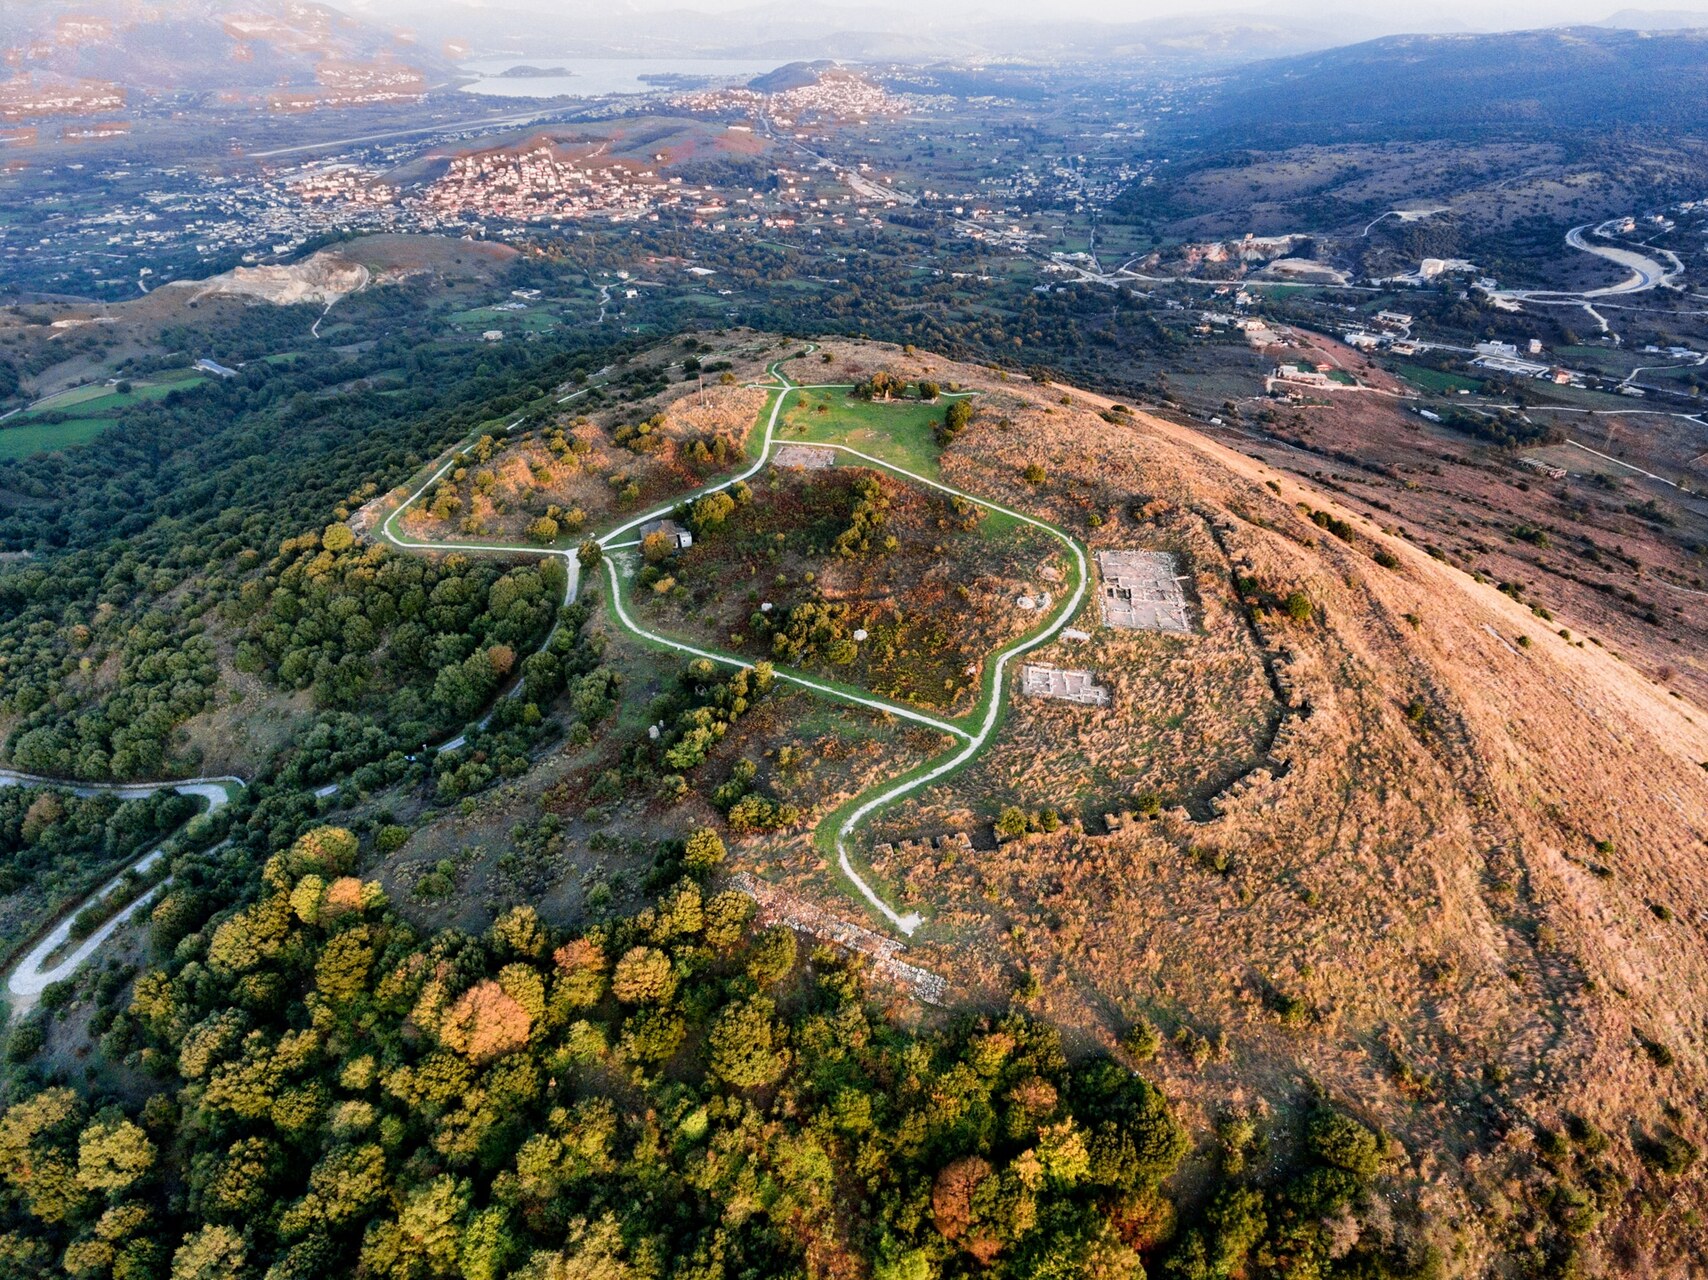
[55, 847]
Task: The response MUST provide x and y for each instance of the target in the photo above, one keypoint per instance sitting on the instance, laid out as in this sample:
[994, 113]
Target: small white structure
[679, 537]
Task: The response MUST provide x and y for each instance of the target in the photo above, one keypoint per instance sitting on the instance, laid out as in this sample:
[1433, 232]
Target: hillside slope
[1460, 881]
[1536, 82]
[201, 45]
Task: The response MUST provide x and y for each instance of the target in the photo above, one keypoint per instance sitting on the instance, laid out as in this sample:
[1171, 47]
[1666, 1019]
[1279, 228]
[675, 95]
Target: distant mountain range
[1311, 74]
[179, 45]
[884, 33]
[1525, 82]
[1656, 20]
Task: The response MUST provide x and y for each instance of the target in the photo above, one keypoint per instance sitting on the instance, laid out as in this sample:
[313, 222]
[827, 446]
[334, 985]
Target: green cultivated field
[486, 318]
[27, 437]
[98, 407]
[1435, 379]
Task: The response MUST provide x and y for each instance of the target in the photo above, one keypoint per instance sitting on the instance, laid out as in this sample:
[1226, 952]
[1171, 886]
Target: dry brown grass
[501, 497]
[1394, 809]
[1419, 864]
[1631, 583]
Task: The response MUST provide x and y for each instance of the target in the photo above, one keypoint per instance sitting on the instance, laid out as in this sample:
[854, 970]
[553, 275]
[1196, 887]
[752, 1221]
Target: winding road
[32, 975]
[1646, 273]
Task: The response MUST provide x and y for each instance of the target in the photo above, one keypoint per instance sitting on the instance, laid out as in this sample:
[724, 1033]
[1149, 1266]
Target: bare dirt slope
[322, 277]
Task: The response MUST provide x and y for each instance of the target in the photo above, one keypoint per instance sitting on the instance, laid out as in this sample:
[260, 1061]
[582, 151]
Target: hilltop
[1530, 84]
[1373, 829]
[1348, 827]
[271, 47]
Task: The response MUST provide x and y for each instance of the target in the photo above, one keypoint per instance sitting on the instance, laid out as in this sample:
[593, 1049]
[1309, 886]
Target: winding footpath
[32, 975]
[838, 828]
[969, 734]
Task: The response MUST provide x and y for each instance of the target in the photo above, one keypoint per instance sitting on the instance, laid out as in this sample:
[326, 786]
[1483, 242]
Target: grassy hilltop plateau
[864, 672]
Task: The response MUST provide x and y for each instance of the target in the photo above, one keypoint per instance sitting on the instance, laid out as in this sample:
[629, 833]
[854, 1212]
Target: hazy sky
[1476, 15]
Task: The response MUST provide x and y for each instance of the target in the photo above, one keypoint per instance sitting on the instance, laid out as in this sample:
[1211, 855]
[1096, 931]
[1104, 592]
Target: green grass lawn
[1435, 379]
[25, 438]
[486, 318]
[899, 432]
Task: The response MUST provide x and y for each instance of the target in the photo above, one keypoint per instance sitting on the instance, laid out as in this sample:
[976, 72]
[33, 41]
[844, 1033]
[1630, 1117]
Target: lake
[596, 77]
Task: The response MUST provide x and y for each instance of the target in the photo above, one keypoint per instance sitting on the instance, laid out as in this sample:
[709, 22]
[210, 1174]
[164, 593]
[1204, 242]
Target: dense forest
[199, 526]
[56, 847]
[679, 1093]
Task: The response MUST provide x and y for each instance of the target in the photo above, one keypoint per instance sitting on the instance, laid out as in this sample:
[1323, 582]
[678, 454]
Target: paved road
[29, 978]
[1646, 273]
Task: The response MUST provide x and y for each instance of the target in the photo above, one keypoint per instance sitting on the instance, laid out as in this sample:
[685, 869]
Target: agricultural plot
[46, 426]
[1437, 380]
[527, 320]
[28, 437]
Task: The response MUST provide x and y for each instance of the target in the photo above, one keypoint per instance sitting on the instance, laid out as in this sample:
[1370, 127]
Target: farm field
[21, 439]
[1437, 380]
[43, 426]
